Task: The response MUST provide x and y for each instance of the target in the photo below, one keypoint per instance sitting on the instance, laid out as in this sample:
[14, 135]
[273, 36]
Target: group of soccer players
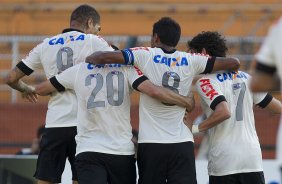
[90, 83]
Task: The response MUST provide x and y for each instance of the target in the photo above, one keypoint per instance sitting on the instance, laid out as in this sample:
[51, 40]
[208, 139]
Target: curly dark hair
[212, 41]
[168, 30]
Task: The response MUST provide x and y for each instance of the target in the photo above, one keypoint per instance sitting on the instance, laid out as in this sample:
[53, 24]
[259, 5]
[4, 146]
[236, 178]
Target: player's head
[166, 31]
[208, 42]
[86, 18]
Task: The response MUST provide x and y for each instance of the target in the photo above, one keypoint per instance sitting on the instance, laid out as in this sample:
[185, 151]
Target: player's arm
[45, 88]
[263, 78]
[220, 113]
[167, 96]
[13, 79]
[268, 102]
[106, 57]
[229, 64]
[211, 94]
[60, 82]
[274, 106]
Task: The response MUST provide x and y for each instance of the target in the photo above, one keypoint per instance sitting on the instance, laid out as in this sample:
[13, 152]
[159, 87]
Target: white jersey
[233, 144]
[270, 53]
[160, 123]
[54, 55]
[103, 106]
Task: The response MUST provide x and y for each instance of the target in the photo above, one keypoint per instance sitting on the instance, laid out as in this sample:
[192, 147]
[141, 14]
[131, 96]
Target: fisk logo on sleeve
[138, 71]
[207, 88]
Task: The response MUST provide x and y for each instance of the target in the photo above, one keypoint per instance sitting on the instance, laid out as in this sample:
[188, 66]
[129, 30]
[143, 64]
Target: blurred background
[126, 23]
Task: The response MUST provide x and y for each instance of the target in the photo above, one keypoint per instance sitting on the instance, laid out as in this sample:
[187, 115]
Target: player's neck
[166, 47]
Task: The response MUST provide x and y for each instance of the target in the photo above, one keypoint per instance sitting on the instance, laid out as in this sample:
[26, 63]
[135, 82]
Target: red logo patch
[207, 88]
[138, 71]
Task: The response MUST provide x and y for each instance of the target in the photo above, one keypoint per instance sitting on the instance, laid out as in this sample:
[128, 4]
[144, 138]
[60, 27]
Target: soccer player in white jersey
[165, 145]
[268, 67]
[268, 60]
[54, 55]
[105, 152]
[234, 155]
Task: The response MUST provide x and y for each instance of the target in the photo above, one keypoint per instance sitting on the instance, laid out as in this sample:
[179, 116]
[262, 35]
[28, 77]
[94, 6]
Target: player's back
[161, 123]
[104, 108]
[56, 54]
[234, 141]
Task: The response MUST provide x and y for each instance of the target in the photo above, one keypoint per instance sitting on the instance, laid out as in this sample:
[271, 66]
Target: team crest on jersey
[207, 88]
[236, 86]
[69, 38]
[171, 62]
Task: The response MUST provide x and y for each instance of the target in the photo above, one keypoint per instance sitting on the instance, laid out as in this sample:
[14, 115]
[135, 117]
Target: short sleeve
[137, 56]
[262, 99]
[265, 55]
[32, 61]
[66, 79]
[210, 92]
[135, 76]
[201, 64]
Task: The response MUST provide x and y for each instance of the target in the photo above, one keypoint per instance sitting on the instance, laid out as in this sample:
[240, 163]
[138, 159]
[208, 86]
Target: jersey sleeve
[262, 99]
[66, 79]
[209, 92]
[135, 76]
[32, 61]
[137, 56]
[265, 53]
[99, 44]
[202, 64]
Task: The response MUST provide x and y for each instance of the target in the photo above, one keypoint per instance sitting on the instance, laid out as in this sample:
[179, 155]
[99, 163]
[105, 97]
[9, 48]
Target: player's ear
[90, 23]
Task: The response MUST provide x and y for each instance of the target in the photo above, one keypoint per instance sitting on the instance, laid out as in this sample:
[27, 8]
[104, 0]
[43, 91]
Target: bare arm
[166, 95]
[229, 64]
[274, 106]
[220, 114]
[106, 57]
[263, 82]
[13, 79]
[45, 88]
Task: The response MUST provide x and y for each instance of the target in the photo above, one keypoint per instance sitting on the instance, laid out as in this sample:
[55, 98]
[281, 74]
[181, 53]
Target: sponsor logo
[91, 66]
[171, 62]
[207, 88]
[63, 40]
[230, 76]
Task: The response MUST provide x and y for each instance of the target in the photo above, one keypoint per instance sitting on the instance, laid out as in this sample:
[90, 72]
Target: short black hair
[168, 30]
[212, 41]
[83, 13]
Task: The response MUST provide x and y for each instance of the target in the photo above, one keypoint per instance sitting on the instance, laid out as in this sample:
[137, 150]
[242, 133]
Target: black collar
[71, 29]
[168, 52]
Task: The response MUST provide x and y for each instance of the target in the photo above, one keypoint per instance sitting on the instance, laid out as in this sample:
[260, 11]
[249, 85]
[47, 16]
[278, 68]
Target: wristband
[195, 129]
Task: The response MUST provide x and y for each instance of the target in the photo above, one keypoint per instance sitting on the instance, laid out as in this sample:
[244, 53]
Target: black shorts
[57, 144]
[242, 178]
[101, 168]
[166, 163]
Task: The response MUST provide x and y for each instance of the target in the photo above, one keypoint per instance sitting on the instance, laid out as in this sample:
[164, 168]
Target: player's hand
[29, 94]
[187, 120]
